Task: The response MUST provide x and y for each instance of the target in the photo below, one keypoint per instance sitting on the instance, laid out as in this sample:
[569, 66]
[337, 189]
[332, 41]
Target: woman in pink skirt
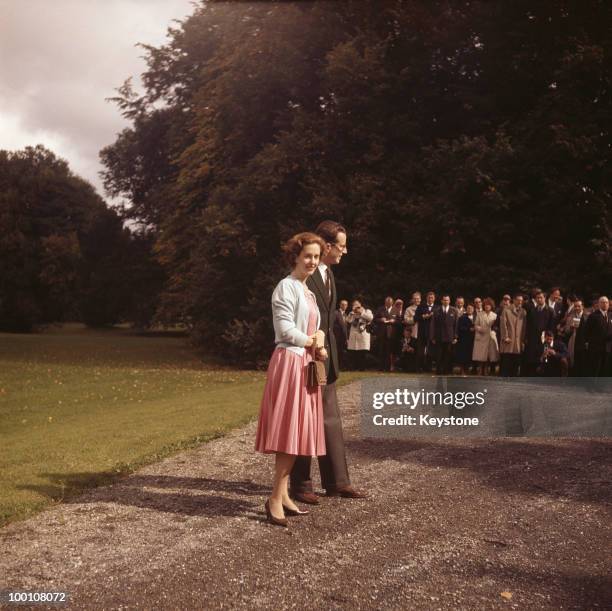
[291, 415]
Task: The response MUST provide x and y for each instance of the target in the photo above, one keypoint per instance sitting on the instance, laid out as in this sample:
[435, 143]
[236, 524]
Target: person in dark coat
[385, 320]
[540, 318]
[465, 339]
[341, 332]
[556, 304]
[598, 336]
[572, 331]
[423, 316]
[554, 357]
[443, 335]
[407, 361]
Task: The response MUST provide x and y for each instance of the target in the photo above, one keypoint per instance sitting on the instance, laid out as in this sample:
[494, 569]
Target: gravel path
[453, 524]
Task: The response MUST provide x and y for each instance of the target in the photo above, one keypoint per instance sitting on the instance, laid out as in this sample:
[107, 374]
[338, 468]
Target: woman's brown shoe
[294, 512]
[272, 519]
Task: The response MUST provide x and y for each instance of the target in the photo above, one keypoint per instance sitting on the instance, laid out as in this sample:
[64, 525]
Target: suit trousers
[444, 358]
[333, 467]
[581, 364]
[510, 364]
[384, 351]
[423, 356]
[597, 363]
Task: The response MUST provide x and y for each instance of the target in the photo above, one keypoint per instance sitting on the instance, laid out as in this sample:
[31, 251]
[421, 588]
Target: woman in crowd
[359, 337]
[291, 414]
[465, 339]
[486, 350]
[397, 335]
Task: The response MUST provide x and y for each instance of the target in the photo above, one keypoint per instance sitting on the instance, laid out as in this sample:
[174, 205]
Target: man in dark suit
[443, 334]
[554, 357]
[555, 303]
[572, 329]
[334, 470]
[598, 338]
[423, 316]
[540, 318]
[384, 321]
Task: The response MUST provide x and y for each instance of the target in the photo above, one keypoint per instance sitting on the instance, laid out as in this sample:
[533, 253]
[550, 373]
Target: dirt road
[458, 524]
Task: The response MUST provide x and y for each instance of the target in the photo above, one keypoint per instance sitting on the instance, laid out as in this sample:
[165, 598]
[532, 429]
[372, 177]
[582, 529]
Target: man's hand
[321, 354]
[319, 338]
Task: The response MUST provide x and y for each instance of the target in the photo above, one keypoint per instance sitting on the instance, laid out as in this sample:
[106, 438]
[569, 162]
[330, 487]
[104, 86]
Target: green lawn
[78, 407]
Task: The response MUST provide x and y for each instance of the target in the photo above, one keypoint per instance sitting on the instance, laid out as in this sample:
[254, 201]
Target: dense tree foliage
[64, 254]
[465, 145]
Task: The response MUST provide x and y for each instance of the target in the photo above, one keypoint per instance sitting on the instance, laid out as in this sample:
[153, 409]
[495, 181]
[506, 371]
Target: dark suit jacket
[558, 310]
[443, 327]
[552, 367]
[598, 332]
[327, 309]
[380, 328]
[560, 349]
[537, 321]
[340, 329]
[423, 308]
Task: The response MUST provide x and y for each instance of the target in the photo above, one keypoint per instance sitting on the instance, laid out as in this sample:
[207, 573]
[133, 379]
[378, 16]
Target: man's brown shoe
[347, 492]
[310, 498]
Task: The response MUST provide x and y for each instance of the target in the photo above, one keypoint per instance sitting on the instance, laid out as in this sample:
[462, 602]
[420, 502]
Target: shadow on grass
[191, 496]
[574, 468]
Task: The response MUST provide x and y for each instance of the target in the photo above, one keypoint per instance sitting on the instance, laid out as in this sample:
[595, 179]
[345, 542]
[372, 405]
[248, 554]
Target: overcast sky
[60, 59]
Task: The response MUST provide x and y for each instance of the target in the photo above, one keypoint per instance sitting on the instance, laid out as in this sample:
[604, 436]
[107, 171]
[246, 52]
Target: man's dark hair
[329, 230]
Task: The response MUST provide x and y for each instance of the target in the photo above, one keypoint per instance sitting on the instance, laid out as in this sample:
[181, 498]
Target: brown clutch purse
[315, 372]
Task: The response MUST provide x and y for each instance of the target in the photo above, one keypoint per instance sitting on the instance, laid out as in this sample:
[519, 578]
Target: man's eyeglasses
[340, 247]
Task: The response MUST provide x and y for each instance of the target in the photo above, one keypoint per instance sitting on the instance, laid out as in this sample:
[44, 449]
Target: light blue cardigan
[290, 313]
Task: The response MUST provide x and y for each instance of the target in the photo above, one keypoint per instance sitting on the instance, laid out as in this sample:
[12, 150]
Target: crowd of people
[536, 335]
[299, 415]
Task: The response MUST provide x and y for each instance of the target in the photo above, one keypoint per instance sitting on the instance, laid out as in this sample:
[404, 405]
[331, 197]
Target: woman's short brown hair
[294, 246]
[488, 301]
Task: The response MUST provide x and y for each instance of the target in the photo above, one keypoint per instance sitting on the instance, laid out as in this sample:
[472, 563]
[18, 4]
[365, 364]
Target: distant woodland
[465, 145]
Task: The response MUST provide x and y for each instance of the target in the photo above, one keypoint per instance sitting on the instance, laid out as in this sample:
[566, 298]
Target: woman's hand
[321, 354]
[310, 341]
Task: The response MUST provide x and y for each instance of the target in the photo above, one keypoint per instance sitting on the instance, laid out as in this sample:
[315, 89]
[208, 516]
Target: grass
[80, 407]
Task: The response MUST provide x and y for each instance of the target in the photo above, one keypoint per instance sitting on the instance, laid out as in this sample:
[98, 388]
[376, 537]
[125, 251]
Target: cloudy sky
[60, 59]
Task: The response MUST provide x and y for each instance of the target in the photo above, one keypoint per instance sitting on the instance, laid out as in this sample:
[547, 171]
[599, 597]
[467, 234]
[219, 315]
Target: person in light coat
[512, 329]
[359, 337]
[485, 341]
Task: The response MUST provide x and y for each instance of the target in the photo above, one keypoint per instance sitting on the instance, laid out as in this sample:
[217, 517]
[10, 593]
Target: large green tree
[64, 254]
[465, 145]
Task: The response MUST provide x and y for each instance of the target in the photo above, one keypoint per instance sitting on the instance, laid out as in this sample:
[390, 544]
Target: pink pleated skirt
[290, 415]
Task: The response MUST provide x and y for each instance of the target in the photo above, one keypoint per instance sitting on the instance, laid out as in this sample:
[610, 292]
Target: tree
[465, 145]
[65, 255]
